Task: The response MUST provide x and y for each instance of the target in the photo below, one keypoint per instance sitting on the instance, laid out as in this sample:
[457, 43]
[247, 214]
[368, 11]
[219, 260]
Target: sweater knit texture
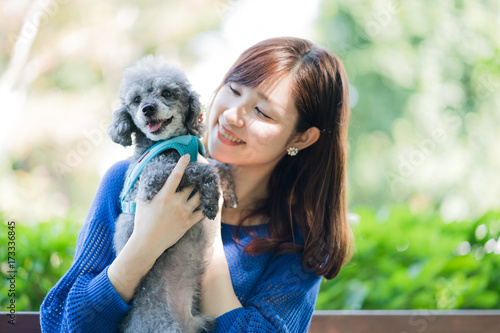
[276, 293]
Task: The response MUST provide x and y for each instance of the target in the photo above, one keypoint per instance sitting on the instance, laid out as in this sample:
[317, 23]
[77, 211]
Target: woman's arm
[283, 300]
[218, 295]
[158, 225]
[84, 299]
[93, 295]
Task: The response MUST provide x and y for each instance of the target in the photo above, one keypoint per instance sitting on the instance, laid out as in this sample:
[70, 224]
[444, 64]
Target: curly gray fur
[167, 298]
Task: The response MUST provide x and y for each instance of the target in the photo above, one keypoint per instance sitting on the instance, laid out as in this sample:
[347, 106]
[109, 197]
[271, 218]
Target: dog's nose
[148, 110]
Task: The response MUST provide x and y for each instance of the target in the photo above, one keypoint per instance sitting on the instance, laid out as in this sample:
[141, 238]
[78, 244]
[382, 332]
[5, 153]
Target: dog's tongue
[153, 126]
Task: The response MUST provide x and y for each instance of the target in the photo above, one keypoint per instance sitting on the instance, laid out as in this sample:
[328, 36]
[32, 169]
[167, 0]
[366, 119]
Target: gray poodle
[157, 103]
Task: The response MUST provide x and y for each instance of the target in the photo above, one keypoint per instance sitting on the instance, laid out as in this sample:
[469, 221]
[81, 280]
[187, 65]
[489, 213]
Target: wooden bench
[365, 321]
[406, 321]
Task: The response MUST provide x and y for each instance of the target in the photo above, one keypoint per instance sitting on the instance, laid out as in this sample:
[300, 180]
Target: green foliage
[43, 253]
[77, 76]
[402, 261]
[416, 261]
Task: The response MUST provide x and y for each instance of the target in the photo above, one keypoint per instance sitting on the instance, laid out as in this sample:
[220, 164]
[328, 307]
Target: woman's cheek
[268, 134]
[267, 140]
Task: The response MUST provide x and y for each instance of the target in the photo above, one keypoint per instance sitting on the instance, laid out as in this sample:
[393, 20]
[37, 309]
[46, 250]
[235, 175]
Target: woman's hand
[158, 225]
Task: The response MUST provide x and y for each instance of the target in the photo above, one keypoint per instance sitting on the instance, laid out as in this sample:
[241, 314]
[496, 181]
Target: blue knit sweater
[276, 294]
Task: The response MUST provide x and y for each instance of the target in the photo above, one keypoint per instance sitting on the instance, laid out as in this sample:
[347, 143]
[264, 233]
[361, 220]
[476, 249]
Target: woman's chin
[220, 156]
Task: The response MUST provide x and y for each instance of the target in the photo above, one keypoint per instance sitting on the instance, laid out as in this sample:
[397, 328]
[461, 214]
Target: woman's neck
[251, 187]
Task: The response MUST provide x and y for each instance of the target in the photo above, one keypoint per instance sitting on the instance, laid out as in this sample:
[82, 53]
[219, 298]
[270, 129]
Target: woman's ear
[305, 139]
[122, 127]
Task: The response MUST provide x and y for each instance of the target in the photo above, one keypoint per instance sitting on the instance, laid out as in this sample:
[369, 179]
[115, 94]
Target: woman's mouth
[228, 137]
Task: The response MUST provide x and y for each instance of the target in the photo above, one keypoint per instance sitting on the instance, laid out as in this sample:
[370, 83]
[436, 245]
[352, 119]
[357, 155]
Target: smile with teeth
[156, 125]
[228, 136]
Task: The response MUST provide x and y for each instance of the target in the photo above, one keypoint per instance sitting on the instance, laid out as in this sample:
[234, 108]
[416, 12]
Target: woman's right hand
[158, 225]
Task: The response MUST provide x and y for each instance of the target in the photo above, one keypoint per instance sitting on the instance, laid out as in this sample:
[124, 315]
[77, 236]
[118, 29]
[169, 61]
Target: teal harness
[184, 144]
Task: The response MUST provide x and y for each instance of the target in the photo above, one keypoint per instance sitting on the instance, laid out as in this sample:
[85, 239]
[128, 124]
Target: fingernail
[186, 157]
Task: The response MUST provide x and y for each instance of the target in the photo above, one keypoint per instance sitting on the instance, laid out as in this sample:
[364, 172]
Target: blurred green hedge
[403, 260]
[416, 261]
[43, 253]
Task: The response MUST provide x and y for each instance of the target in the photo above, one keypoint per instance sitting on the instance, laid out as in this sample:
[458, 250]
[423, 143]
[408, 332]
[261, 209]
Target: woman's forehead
[277, 91]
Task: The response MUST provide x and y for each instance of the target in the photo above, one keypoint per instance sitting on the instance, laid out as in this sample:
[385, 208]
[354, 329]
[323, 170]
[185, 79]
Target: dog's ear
[193, 122]
[122, 127]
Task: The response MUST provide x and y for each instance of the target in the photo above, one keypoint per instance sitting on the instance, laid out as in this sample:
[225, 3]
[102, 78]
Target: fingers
[195, 200]
[169, 191]
[196, 217]
[175, 177]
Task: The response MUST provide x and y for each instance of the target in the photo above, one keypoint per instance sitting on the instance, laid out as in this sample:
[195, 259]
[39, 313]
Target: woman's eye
[137, 99]
[262, 113]
[234, 91]
[166, 93]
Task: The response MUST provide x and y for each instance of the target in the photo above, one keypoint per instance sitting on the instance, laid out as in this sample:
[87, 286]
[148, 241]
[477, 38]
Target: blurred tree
[424, 86]
[60, 66]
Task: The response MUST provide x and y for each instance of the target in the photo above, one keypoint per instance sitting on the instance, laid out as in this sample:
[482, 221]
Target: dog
[158, 103]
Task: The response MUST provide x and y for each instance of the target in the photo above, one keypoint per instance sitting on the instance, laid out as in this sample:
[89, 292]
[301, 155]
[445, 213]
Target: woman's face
[251, 126]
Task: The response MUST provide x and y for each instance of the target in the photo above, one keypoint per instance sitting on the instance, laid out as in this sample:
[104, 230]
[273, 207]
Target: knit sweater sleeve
[283, 301]
[84, 300]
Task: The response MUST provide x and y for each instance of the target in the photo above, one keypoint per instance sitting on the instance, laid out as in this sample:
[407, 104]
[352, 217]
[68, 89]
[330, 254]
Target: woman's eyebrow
[266, 98]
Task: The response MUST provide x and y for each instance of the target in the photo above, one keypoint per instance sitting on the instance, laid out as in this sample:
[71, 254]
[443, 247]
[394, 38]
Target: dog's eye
[137, 99]
[166, 93]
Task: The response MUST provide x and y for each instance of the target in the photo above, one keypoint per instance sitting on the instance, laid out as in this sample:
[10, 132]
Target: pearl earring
[292, 151]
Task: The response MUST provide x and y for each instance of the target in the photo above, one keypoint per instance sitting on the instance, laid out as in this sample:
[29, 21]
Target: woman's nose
[235, 116]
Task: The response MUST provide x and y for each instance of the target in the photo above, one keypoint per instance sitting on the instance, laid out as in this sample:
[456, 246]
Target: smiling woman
[289, 229]
[288, 93]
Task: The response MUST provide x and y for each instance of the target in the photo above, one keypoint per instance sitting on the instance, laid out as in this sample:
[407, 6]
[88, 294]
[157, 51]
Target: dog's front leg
[152, 179]
[206, 180]
[227, 183]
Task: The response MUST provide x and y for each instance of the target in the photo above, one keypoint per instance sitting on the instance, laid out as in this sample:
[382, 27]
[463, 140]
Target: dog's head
[156, 101]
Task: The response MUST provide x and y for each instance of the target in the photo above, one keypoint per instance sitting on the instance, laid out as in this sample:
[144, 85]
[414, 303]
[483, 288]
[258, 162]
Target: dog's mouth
[155, 126]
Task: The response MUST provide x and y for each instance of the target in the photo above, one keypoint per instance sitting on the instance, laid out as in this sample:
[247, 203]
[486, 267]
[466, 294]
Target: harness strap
[184, 144]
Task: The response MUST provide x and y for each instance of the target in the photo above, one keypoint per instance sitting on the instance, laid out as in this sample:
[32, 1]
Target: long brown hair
[308, 189]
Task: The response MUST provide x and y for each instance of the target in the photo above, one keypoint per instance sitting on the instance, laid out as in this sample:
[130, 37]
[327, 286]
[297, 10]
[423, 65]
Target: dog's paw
[210, 210]
[206, 181]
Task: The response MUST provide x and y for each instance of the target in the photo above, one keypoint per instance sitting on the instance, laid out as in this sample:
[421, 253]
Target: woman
[280, 119]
